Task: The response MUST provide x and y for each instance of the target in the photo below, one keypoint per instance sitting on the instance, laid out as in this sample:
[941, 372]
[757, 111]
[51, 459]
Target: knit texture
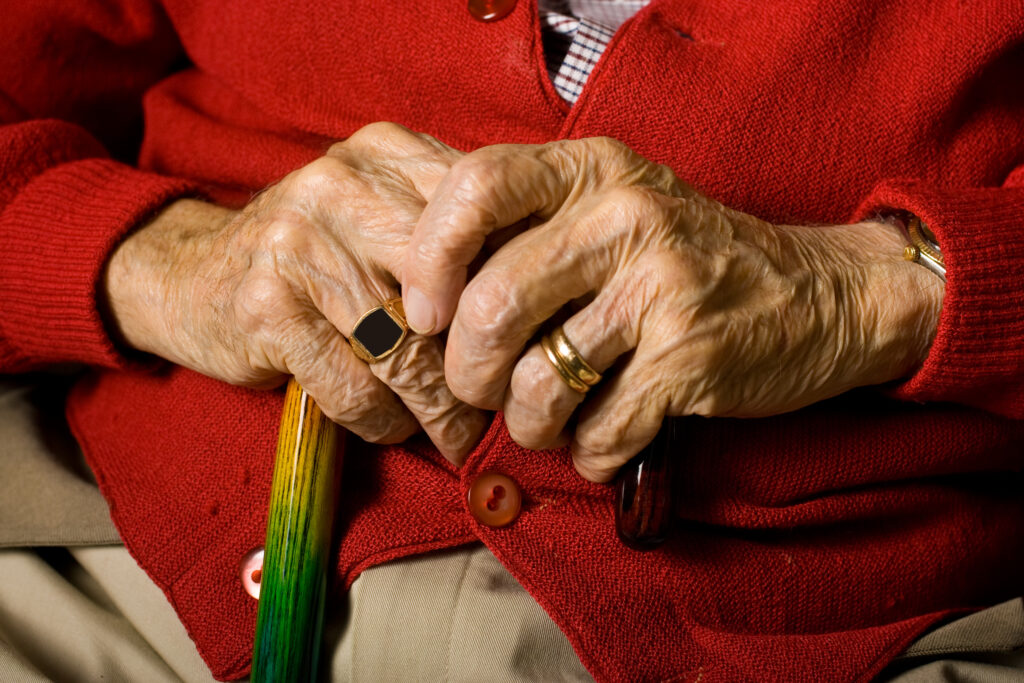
[59, 231]
[978, 352]
[812, 546]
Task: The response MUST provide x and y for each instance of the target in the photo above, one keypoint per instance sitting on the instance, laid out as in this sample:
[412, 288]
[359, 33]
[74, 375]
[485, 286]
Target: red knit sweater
[812, 546]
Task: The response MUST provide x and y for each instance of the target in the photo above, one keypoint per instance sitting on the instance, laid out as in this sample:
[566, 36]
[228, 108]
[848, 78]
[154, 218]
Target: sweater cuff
[977, 357]
[55, 238]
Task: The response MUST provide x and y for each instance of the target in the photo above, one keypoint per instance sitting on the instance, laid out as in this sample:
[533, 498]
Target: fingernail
[419, 311]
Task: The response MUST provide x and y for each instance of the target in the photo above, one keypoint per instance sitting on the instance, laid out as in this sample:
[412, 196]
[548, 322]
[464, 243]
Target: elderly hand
[274, 289]
[699, 308]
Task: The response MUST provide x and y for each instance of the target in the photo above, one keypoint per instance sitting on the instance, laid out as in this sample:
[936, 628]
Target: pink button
[252, 572]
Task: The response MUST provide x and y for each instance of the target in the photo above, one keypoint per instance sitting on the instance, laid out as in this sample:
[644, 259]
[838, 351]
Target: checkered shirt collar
[576, 34]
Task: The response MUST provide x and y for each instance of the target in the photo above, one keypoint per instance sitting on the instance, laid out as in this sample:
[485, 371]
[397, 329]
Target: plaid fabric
[576, 33]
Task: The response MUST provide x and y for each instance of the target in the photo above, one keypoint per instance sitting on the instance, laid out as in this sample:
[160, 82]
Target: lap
[90, 613]
[83, 610]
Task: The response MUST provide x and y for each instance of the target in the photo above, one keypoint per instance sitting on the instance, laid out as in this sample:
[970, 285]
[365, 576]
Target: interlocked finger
[412, 367]
[417, 160]
[622, 418]
[526, 282]
[539, 401]
[574, 370]
[344, 387]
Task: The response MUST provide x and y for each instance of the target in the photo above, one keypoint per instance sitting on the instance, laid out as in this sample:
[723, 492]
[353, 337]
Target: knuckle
[415, 367]
[438, 148]
[476, 383]
[661, 277]
[638, 214]
[477, 379]
[465, 208]
[610, 148]
[305, 349]
[360, 402]
[706, 406]
[416, 373]
[286, 231]
[373, 133]
[635, 202]
[472, 175]
[339, 149]
[385, 140]
[446, 245]
[595, 465]
[594, 445]
[318, 178]
[490, 308]
[536, 384]
[260, 303]
[615, 158]
[455, 427]
[664, 179]
[379, 140]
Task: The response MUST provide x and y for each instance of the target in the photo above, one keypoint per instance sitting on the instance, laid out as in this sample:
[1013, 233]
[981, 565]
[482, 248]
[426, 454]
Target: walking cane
[293, 582]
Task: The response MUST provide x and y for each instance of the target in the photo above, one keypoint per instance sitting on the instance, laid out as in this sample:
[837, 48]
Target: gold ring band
[568, 362]
[567, 377]
[379, 332]
[572, 358]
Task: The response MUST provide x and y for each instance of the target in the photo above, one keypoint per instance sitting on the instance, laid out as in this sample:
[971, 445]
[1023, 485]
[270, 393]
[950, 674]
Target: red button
[252, 572]
[494, 499]
[491, 10]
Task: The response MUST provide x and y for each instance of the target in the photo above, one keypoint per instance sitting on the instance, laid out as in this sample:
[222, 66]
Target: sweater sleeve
[977, 357]
[71, 82]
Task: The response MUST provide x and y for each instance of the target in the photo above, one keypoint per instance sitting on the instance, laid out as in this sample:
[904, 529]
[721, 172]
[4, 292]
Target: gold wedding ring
[568, 362]
[379, 331]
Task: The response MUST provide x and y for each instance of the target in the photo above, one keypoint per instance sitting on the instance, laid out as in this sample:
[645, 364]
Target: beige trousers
[74, 606]
[90, 614]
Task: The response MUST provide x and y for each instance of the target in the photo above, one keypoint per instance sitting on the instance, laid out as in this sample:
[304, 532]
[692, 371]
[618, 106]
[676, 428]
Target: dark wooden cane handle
[644, 513]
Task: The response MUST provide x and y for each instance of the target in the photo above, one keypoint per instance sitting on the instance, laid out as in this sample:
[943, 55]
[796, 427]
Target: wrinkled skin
[687, 306]
[690, 307]
[251, 296]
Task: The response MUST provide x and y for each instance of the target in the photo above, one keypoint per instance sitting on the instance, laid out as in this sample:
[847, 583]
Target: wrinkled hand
[695, 308]
[248, 297]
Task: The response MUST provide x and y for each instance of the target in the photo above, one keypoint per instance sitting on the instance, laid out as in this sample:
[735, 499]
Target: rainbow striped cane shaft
[293, 585]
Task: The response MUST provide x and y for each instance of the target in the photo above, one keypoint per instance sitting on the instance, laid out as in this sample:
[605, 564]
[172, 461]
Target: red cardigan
[812, 546]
